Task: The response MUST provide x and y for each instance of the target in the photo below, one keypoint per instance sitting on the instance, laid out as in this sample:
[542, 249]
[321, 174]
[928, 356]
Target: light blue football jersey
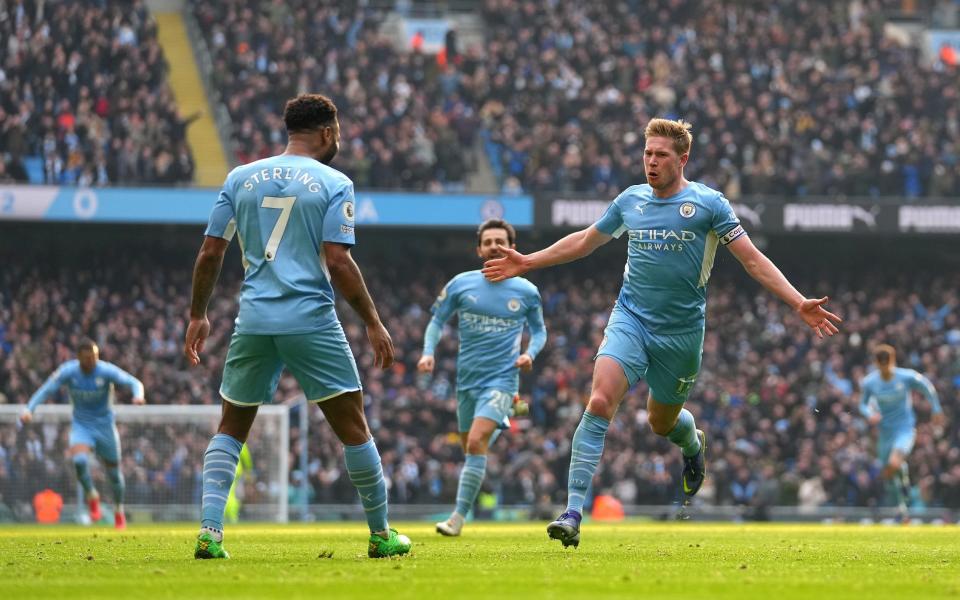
[670, 252]
[91, 394]
[282, 209]
[892, 398]
[491, 321]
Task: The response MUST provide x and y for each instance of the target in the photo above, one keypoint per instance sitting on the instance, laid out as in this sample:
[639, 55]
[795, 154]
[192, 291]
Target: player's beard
[329, 156]
[492, 254]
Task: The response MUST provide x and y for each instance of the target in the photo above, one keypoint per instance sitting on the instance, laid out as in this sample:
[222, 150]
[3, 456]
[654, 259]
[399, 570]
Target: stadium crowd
[779, 406]
[83, 90]
[789, 98]
[403, 124]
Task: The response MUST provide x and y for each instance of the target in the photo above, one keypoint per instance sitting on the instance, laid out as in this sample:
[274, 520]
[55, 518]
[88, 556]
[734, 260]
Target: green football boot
[207, 547]
[395, 545]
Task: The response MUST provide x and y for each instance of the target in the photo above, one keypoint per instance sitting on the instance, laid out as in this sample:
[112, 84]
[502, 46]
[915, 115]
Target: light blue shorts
[669, 363]
[898, 439]
[103, 439]
[321, 362]
[489, 403]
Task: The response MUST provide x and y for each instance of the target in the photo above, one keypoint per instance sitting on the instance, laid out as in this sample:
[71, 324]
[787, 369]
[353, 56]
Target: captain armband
[732, 235]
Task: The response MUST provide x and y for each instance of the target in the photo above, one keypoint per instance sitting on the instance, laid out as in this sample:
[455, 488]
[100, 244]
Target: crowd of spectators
[83, 90]
[792, 98]
[787, 98]
[779, 406]
[403, 123]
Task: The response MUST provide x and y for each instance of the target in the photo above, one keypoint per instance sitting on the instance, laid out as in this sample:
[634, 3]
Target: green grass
[493, 562]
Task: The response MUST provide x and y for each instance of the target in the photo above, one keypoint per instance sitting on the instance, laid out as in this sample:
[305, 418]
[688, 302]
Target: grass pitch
[490, 561]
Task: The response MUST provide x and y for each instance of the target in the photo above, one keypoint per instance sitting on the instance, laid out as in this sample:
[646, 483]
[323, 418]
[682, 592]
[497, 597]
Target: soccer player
[491, 320]
[231, 511]
[885, 401]
[294, 217]
[90, 383]
[656, 328]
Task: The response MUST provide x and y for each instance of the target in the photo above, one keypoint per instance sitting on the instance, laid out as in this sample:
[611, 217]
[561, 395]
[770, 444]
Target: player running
[90, 383]
[491, 320]
[885, 401]
[293, 215]
[656, 328]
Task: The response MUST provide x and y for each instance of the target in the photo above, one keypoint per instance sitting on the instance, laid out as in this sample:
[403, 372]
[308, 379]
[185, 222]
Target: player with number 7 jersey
[293, 217]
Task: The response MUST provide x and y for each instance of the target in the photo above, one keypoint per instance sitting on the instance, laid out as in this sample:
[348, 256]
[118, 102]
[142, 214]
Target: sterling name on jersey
[282, 209]
[892, 398]
[491, 321]
[91, 394]
[672, 244]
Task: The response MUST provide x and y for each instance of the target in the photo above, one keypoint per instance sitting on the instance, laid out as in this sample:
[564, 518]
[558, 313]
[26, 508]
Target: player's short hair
[678, 131]
[88, 345]
[883, 354]
[497, 224]
[308, 112]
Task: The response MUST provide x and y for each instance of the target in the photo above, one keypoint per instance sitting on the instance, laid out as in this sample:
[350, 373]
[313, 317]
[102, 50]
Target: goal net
[161, 458]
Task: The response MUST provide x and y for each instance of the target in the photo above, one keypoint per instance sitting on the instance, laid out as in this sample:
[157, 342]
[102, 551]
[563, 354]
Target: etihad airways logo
[661, 235]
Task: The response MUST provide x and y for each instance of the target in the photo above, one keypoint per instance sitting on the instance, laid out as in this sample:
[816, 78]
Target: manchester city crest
[687, 210]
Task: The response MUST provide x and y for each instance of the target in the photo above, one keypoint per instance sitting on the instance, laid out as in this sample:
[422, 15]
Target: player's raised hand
[524, 363]
[382, 345]
[425, 364]
[139, 401]
[821, 320]
[511, 264]
[197, 332]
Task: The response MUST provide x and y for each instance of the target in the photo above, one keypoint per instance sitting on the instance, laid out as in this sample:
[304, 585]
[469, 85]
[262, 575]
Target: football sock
[219, 467]
[471, 477]
[366, 473]
[117, 483]
[82, 466]
[584, 458]
[684, 434]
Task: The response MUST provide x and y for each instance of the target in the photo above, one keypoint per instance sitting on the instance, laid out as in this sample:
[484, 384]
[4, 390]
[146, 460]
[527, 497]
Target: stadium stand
[84, 98]
[779, 406]
[787, 98]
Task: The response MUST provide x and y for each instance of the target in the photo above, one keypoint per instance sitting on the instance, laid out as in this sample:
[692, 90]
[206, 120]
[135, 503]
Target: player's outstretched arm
[566, 249]
[206, 271]
[121, 377]
[39, 397]
[762, 269]
[923, 385]
[538, 339]
[346, 278]
[430, 338]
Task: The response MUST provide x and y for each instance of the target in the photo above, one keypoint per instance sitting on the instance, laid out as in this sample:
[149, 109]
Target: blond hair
[678, 131]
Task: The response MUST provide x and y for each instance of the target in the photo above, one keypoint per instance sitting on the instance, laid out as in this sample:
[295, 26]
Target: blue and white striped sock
[366, 473]
[82, 465]
[219, 468]
[471, 477]
[118, 483]
[684, 434]
[584, 458]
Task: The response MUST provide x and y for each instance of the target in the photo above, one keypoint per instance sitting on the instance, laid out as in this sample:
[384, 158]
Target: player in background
[491, 321]
[293, 217]
[885, 402]
[90, 384]
[231, 512]
[656, 327]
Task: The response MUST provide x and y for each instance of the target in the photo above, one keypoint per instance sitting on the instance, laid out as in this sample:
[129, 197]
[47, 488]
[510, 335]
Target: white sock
[216, 534]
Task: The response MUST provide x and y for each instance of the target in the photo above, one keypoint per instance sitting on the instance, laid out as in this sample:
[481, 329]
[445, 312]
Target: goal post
[162, 450]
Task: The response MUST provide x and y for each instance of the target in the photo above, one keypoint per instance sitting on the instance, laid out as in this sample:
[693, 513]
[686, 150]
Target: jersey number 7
[285, 204]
